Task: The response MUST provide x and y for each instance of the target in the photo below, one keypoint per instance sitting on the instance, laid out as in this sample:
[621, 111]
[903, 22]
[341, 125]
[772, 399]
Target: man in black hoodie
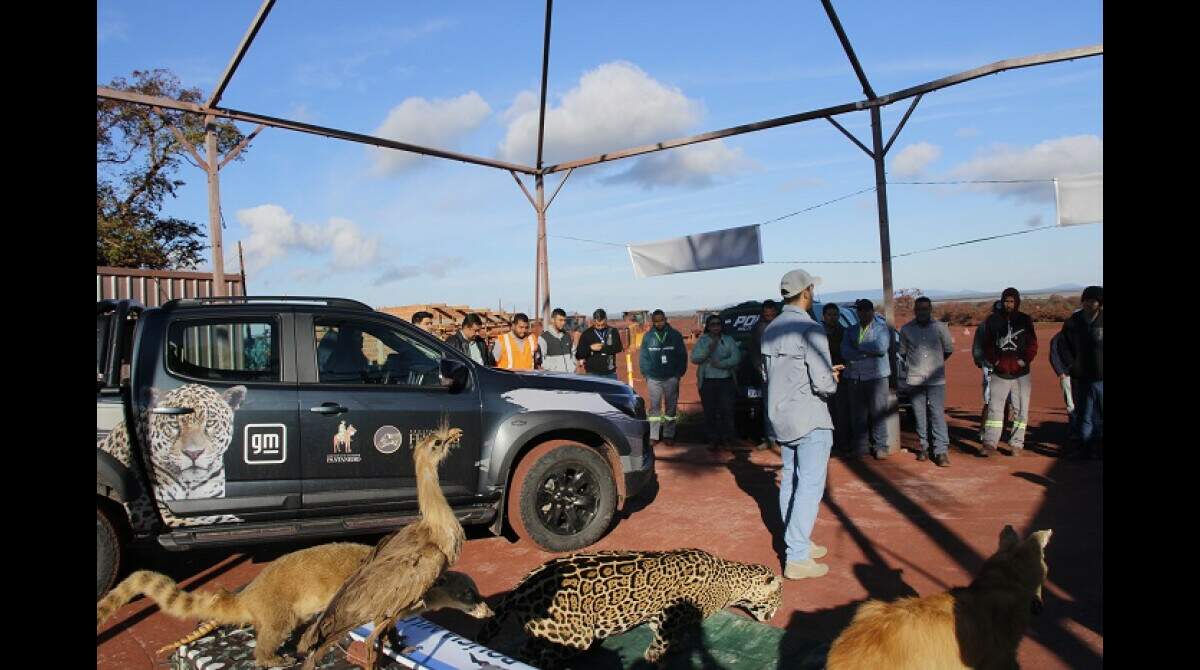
[1009, 347]
[1082, 353]
[598, 347]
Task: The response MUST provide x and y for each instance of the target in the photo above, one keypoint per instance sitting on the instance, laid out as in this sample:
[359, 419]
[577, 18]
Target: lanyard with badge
[661, 339]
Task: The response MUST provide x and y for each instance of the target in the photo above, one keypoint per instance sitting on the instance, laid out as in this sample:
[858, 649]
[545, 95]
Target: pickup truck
[267, 418]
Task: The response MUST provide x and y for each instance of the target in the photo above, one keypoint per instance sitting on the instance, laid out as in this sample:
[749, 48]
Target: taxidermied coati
[293, 588]
[453, 590]
[978, 626]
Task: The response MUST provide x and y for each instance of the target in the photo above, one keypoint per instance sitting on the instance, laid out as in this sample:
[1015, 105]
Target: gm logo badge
[264, 443]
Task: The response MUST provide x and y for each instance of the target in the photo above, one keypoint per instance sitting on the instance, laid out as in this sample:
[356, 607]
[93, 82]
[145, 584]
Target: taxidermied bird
[403, 566]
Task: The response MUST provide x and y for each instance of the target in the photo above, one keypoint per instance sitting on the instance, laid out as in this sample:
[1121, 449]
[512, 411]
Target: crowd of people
[825, 385]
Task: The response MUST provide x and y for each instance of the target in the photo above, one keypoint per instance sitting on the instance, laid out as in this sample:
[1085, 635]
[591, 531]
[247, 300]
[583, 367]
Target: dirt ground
[893, 528]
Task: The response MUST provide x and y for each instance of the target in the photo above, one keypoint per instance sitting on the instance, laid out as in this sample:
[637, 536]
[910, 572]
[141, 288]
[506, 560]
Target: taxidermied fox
[977, 626]
[293, 588]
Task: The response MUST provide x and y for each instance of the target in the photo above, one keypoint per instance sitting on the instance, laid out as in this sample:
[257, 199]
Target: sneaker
[817, 551]
[879, 454]
[1016, 451]
[921, 455]
[804, 569]
[941, 460]
[986, 451]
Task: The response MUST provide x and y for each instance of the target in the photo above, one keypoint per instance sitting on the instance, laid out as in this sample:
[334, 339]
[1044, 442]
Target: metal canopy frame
[872, 104]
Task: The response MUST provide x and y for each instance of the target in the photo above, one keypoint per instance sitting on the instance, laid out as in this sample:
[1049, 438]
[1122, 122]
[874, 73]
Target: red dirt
[894, 527]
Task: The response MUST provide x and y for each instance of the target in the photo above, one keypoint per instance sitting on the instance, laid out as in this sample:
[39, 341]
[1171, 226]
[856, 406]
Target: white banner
[1080, 199]
[706, 251]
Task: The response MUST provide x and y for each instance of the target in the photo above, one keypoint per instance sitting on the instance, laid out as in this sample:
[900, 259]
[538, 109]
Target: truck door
[222, 426]
[369, 390]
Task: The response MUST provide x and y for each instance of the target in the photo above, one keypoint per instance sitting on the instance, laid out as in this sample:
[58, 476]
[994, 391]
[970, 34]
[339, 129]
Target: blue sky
[320, 216]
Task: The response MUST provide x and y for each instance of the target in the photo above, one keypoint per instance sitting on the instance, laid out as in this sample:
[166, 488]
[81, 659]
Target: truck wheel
[108, 552]
[563, 496]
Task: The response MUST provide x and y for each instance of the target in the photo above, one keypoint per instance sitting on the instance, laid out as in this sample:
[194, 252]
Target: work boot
[1015, 451]
[817, 551]
[879, 454]
[804, 569]
[941, 460]
[921, 455]
[986, 451]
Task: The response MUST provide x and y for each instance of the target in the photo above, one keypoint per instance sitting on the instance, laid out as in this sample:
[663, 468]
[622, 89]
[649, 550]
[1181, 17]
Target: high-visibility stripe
[654, 419]
[1019, 424]
[668, 418]
[993, 424]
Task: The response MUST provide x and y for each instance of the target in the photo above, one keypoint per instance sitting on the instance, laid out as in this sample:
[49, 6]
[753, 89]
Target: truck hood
[562, 381]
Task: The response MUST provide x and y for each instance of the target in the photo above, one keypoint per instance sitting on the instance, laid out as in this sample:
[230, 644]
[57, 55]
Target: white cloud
[438, 124]
[615, 106]
[695, 165]
[1073, 155]
[914, 158]
[274, 233]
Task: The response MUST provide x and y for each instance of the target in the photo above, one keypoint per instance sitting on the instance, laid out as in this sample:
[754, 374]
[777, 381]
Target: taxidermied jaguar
[569, 602]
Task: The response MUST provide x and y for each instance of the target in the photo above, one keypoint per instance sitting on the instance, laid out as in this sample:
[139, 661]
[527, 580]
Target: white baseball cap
[795, 282]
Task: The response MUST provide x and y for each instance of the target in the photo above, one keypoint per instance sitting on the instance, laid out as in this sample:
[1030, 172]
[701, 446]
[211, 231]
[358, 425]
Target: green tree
[137, 161]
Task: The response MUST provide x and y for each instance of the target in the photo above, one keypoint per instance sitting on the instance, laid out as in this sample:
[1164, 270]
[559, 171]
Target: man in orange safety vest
[517, 349]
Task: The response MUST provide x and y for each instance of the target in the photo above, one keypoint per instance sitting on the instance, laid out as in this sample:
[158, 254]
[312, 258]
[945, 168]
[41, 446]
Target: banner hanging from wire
[729, 248]
[1080, 199]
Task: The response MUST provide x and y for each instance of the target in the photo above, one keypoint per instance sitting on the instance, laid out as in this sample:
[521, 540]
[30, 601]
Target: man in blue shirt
[801, 377]
[865, 350]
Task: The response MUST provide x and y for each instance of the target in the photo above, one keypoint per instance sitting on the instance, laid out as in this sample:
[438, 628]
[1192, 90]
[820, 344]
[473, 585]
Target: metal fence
[154, 287]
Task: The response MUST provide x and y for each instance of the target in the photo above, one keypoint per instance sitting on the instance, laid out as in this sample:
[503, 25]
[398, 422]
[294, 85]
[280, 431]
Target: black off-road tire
[109, 551]
[563, 496]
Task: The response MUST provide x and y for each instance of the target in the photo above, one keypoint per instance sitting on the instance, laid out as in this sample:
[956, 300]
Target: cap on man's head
[1093, 293]
[794, 283]
[599, 314]
[863, 303]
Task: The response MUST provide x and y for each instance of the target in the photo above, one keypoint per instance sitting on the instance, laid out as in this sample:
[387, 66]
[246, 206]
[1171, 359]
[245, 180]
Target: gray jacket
[799, 372]
[925, 349]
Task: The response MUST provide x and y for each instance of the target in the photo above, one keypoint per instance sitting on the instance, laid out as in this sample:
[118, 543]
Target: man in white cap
[800, 377]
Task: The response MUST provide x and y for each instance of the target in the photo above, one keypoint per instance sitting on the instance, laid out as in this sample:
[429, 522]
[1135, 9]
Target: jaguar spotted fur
[187, 452]
[569, 602]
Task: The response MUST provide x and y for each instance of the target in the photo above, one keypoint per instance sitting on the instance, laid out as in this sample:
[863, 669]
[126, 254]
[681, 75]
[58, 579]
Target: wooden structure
[154, 287]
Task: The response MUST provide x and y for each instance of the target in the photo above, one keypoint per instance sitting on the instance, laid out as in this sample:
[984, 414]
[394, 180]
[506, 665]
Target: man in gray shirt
[925, 345]
[800, 378]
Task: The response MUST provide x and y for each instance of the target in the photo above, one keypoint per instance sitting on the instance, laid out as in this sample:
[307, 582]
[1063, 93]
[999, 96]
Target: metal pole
[542, 307]
[214, 206]
[885, 260]
[885, 238]
[242, 268]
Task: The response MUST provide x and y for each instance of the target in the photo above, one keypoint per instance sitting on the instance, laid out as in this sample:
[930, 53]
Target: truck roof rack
[260, 299]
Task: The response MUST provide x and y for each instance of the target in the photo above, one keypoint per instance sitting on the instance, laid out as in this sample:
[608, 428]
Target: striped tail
[204, 629]
[220, 606]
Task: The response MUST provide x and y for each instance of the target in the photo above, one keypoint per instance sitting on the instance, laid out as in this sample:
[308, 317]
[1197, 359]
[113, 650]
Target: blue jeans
[868, 414]
[805, 463]
[932, 400]
[1089, 407]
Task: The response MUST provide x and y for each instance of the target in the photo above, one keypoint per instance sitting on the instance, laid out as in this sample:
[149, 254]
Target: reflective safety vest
[511, 357]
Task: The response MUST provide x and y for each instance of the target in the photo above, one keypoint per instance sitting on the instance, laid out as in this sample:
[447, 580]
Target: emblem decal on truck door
[341, 443]
[264, 443]
[388, 439]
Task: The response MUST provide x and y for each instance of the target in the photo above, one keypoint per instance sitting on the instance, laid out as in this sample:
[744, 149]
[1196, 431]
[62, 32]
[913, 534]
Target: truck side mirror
[455, 375]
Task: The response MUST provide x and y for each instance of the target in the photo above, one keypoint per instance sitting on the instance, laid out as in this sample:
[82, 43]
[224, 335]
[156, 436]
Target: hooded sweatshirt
[1010, 338]
[664, 355]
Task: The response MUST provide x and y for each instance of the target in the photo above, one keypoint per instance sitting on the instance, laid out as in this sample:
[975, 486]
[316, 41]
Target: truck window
[218, 350]
[364, 352]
